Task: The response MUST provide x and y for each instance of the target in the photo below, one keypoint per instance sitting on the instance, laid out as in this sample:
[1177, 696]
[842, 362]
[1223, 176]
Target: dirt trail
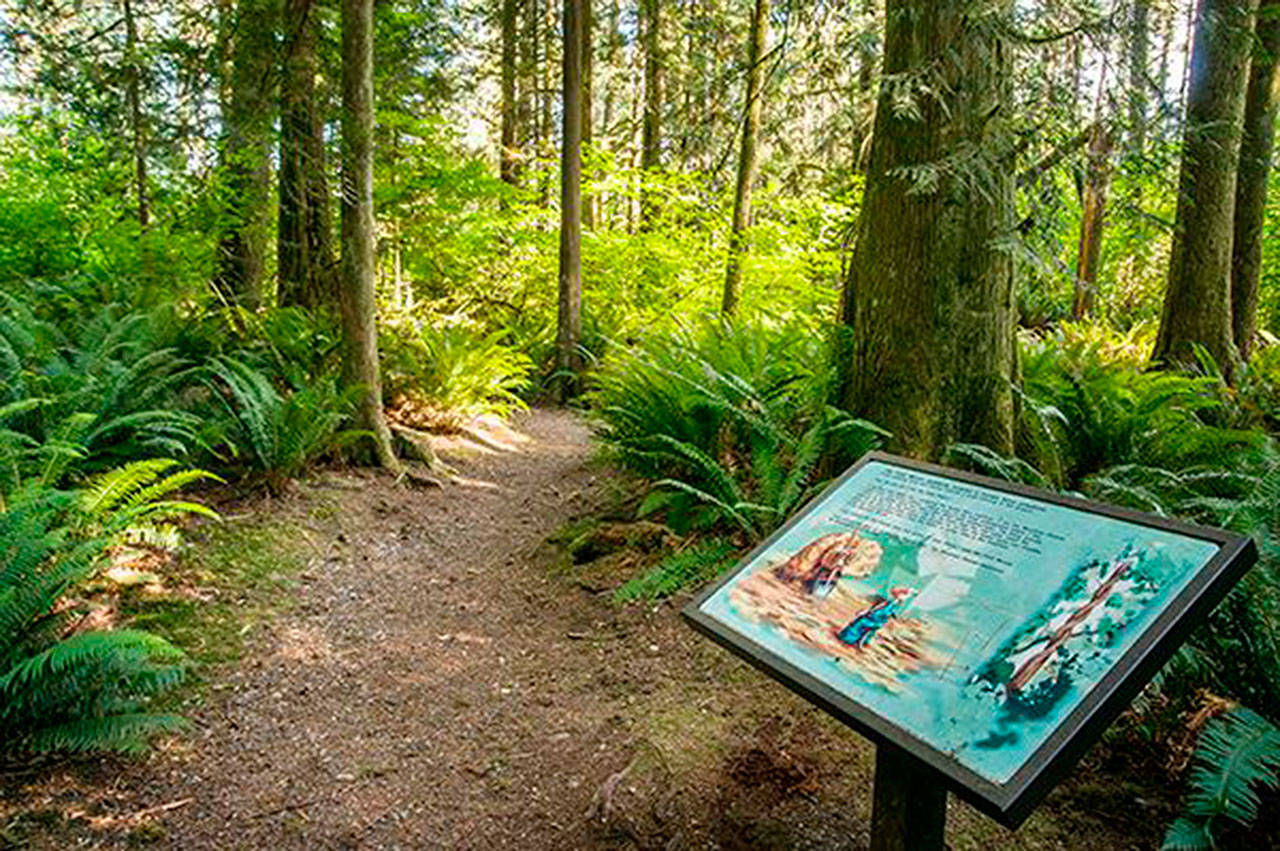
[438, 685]
[425, 692]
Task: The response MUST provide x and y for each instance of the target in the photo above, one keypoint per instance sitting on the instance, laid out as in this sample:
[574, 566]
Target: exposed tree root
[416, 445]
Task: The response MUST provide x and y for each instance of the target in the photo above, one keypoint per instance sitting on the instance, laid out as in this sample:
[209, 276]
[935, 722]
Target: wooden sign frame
[1010, 802]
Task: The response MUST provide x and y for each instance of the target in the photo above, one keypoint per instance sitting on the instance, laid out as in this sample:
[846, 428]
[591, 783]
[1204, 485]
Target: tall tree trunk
[862, 106]
[929, 295]
[1093, 214]
[569, 322]
[588, 94]
[746, 159]
[1188, 32]
[651, 139]
[1139, 37]
[636, 147]
[509, 162]
[133, 94]
[546, 142]
[1197, 303]
[1162, 76]
[1251, 182]
[304, 251]
[356, 296]
[246, 153]
[527, 82]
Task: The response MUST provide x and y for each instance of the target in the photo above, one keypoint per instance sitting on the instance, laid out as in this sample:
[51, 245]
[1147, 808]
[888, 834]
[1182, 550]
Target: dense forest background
[751, 240]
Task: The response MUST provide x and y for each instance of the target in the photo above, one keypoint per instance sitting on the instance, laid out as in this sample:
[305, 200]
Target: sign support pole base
[909, 805]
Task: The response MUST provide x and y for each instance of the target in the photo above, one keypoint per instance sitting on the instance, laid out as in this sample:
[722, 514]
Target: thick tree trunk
[654, 74]
[304, 252]
[356, 296]
[1092, 217]
[929, 296]
[1197, 304]
[746, 159]
[133, 94]
[569, 324]
[509, 159]
[1139, 37]
[246, 153]
[1251, 182]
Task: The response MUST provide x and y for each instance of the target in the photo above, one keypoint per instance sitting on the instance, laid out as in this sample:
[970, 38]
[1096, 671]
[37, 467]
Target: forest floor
[426, 669]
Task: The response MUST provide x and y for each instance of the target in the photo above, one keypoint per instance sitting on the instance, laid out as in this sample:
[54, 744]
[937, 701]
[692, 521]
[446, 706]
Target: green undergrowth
[231, 577]
[687, 567]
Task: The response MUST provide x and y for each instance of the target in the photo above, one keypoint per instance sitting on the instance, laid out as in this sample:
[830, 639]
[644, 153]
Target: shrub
[279, 435]
[728, 419]
[1083, 413]
[692, 565]
[110, 388]
[62, 688]
[1237, 752]
[453, 373]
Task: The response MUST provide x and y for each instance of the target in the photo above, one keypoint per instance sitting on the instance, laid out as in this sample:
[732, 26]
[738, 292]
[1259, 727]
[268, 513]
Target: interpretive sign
[988, 629]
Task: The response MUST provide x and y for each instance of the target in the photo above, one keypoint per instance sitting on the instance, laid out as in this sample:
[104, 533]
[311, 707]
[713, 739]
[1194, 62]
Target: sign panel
[990, 629]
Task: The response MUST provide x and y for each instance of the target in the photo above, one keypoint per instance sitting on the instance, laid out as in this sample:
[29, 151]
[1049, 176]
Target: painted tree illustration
[1092, 606]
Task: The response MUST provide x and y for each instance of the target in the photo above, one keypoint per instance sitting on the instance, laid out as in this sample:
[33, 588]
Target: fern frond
[1237, 752]
[128, 733]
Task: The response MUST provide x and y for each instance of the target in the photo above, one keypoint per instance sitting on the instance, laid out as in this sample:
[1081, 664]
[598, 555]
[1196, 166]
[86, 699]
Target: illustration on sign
[974, 619]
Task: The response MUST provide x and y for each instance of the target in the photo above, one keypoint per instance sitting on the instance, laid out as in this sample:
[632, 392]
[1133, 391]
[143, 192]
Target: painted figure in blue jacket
[859, 631]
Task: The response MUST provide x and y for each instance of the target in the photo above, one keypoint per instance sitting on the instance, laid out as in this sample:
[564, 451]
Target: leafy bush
[1083, 413]
[690, 566]
[453, 372]
[109, 388]
[62, 688]
[1237, 752]
[729, 420]
[278, 434]
[1259, 387]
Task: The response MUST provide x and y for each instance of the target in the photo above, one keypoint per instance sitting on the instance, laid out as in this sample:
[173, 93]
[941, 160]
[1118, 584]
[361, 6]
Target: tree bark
[546, 144]
[304, 249]
[359, 320]
[1092, 217]
[246, 153]
[509, 159]
[746, 159]
[1256, 145]
[862, 107]
[569, 320]
[133, 94]
[588, 94]
[1197, 304]
[527, 82]
[1139, 38]
[654, 73]
[929, 294]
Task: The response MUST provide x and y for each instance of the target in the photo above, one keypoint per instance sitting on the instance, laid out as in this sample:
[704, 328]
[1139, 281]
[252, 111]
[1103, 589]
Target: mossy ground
[231, 576]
